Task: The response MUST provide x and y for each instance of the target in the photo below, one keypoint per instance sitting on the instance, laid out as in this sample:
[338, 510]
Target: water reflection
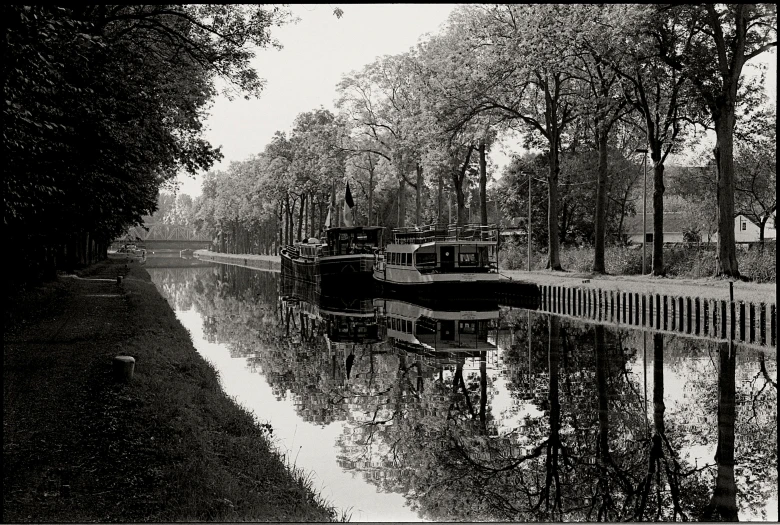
[487, 413]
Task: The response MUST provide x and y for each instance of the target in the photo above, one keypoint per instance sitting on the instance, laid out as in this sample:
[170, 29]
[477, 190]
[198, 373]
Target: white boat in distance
[434, 255]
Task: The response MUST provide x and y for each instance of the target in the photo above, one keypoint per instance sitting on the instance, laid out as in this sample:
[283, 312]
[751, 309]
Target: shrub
[759, 263]
[690, 261]
[685, 261]
[512, 256]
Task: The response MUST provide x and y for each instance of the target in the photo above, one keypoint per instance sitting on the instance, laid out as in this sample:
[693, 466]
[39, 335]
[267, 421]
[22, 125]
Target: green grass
[169, 446]
[756, 264]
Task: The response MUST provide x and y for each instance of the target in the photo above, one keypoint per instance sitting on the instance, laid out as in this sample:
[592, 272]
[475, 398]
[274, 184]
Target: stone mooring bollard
[124, 366]
[118, 279]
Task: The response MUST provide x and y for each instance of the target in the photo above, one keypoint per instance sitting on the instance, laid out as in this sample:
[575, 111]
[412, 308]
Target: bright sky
[301, 77]
[317, 52]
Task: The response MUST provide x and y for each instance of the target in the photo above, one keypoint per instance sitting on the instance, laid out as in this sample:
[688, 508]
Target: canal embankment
[709, 307]
[258, 262]
[80, 445]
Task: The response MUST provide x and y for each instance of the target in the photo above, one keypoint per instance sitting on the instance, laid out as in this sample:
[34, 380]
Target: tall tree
[657, 93]
[105, 103]
[376, 101]
[710, 44]
[525, 77]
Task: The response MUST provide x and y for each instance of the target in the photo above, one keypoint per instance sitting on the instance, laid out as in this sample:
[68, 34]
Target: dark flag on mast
[348, 205]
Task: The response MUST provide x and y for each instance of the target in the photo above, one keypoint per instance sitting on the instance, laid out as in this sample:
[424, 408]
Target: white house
[745, 230]
[674, 226]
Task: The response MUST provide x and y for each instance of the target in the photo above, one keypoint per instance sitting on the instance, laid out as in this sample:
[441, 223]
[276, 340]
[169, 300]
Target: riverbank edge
[705, 288]
[169, 445]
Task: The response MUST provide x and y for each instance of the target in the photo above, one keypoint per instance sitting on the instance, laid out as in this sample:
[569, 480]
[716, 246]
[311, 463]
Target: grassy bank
[169, 446]
[690, 262]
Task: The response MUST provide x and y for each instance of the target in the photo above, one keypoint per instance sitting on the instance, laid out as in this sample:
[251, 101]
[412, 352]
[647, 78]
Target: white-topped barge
[433, 255]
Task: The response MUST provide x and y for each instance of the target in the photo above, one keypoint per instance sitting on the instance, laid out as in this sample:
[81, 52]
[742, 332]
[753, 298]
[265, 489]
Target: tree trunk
[723, 504]
[458, 177]
[280, 227]
[724, 157]
[553, 244]
[658, 212]
[659, 407]
[401, 202]
[601, 205]
[461, 199]
[311, 214]
[370, 188]
[418, 213]
[301, 215]
[483, 215]
[440, 202]
[286, 227]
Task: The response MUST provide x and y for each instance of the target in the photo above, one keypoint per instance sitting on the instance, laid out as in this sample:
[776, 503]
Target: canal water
[475, 411]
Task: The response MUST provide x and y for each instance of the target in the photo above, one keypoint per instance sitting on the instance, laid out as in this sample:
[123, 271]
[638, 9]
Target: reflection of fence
[710, 318]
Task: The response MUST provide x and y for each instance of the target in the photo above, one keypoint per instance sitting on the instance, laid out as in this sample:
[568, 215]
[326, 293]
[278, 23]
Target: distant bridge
[161, 235]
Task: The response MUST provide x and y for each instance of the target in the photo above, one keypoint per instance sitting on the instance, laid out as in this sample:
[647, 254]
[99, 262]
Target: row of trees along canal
[104, 105]
[586, 84]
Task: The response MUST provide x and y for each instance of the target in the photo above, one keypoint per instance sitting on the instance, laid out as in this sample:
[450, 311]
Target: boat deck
[432, 233]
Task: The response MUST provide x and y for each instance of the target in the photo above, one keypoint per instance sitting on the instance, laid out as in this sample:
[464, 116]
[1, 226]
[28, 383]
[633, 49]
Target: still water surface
[478, 412]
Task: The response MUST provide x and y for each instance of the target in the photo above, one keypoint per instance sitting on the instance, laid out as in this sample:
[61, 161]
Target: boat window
[468, 327]
[393, 257]
[467, 259]
[404, 257]
[426, 259]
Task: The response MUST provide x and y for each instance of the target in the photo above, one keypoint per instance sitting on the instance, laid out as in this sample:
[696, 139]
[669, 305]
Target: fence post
[688, 315]
[762, 323]
[666, 313]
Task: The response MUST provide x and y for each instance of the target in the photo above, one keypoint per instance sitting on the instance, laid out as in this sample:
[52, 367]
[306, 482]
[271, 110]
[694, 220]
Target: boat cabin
[430, 249]
[354, 240]
[444, 257]
[354, 328]
[415, 326]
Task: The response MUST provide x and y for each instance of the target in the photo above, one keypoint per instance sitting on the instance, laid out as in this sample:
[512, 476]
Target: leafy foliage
[104, 104]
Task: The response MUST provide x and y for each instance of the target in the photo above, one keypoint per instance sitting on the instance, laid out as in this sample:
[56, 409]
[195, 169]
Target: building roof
[674, 222]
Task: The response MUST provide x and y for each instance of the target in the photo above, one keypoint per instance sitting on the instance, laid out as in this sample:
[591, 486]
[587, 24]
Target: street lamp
[644, 210]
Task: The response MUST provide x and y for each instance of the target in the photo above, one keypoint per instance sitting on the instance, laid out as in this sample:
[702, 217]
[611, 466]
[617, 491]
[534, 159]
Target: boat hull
[330, 274]
[451, 293]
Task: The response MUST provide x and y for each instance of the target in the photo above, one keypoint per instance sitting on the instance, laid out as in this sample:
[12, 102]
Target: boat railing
[453, 232]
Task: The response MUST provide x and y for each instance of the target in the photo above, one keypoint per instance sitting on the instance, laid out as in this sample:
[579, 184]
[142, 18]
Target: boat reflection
[436, 332]
[525, 415]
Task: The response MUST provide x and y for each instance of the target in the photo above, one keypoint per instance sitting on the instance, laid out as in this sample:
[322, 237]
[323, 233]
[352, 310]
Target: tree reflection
[574, 439]
[723, 504]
